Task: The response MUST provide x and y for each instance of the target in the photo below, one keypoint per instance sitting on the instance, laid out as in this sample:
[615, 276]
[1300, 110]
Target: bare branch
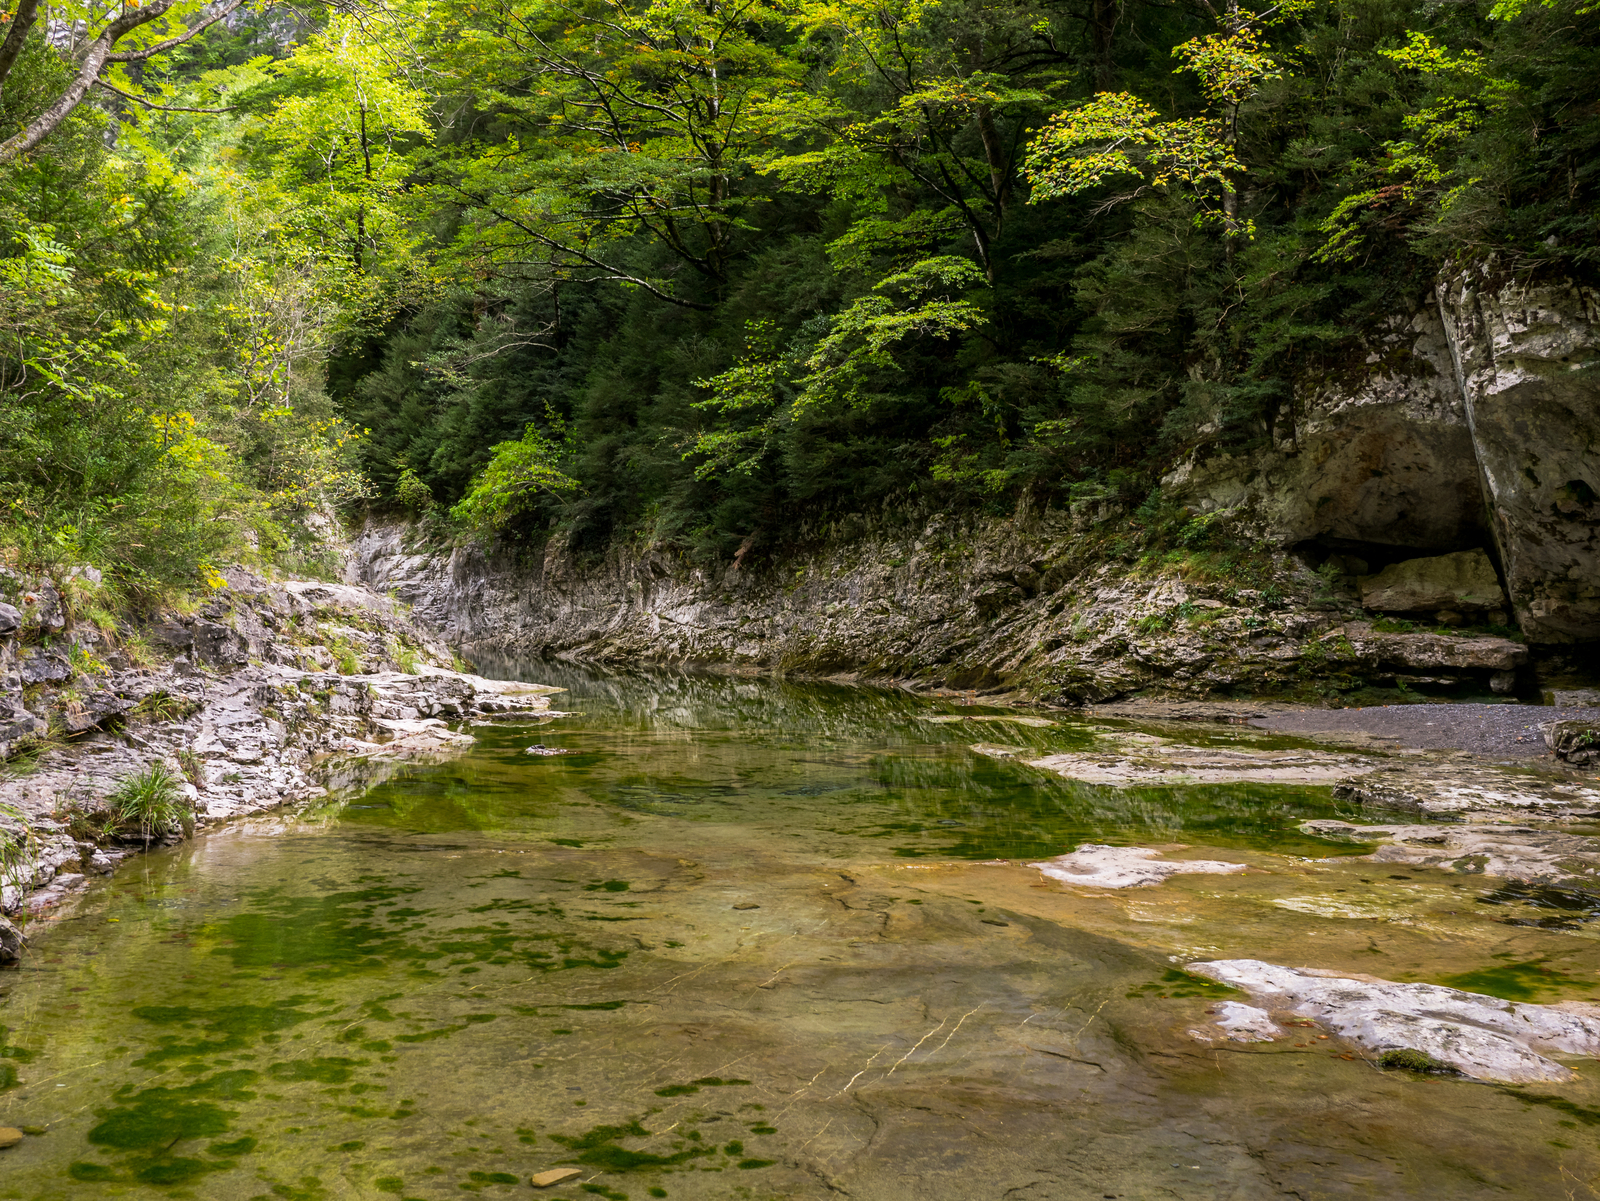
[94, 61]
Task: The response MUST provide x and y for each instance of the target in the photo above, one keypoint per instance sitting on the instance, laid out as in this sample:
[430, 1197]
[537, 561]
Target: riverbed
[754, 939]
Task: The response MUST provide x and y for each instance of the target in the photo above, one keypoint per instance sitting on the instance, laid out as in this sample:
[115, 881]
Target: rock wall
[1379, 452]
[987, 606]
[1527, 363]
[241, 706]
[1475, 422]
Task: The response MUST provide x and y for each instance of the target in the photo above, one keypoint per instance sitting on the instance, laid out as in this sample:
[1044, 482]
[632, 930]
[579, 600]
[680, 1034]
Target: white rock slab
[1243, 1023]
[1125, 867]
[1480, 1036]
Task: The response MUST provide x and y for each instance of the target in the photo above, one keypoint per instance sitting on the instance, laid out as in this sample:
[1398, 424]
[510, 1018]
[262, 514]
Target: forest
[691, 273]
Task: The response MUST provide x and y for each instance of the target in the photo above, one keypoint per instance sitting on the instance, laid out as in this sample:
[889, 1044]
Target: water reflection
[740, 943]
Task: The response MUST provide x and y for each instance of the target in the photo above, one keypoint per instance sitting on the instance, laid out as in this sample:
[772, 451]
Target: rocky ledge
[246, 715]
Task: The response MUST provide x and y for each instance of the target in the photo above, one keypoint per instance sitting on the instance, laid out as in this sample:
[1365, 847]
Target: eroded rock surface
[1128, 759]
[1477, 1035]
[249, 718]
[1126, 867]
[1509, 852]
[1520, 354]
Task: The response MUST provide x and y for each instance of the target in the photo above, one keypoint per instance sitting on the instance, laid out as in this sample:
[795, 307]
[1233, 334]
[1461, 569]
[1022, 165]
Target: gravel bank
[1501, 731]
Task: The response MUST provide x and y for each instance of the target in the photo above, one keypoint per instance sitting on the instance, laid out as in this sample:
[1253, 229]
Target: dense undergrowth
[698, 275]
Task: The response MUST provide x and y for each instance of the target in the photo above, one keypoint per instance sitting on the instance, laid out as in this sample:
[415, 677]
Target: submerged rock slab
[1143, 759]
[1479, 1036]
[1459, 788]
[1509, 852]
[1126, 867]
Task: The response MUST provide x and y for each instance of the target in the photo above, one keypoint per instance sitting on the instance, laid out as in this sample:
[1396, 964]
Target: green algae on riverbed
[501, 964]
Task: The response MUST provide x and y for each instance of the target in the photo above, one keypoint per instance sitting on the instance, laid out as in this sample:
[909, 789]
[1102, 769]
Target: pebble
[553, 1176]
[10, 1136]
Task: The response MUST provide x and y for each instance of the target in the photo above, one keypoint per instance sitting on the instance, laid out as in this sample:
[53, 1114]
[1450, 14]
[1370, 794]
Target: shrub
[150, 803]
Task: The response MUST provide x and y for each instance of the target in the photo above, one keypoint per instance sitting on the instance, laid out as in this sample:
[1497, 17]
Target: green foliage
[149, 804]
[702, 275]
[517, 475]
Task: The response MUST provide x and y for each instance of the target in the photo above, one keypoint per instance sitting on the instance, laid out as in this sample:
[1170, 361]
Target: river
[756, 939]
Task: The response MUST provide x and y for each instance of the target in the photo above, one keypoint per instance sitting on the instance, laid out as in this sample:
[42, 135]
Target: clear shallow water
[744, 942]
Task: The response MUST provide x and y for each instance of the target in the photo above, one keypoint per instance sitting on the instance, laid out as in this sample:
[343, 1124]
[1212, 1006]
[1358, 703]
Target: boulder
[1464, 581]
[1126, 867]
[1575, 741]
[1440, 652]
[12, 941]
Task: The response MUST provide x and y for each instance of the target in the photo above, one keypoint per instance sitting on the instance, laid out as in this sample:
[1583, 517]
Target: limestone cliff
[1473, 422]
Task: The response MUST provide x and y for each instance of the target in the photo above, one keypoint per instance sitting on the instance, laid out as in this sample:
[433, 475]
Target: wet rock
[1126, 759]
[1458, 790]
[10, 1136]
[1456, 582]
[1241, 1023]
[1508, 852]
[539, 748]
[1100, 866]
[553, 1176]
[1480, 1036]
[12, 942]
[1575, 741]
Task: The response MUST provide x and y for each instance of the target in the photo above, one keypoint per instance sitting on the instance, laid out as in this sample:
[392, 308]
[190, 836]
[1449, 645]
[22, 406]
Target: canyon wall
[1470, 423]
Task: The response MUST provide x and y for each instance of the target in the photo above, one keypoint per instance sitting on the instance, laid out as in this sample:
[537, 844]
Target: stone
[218, 646]
[553, 1176]
[1242, 1023]
[10, 619]
[1381, 451]
[1435, 652]
[10, 1136]
[1573, 697]
[1100, 866]
[747, 905]
[12, 942]
[1503, 682]
[1461, 581]
[1506, 852]
[1575, 741]
[1480, 1036]
[1128, 758]
[45, 669]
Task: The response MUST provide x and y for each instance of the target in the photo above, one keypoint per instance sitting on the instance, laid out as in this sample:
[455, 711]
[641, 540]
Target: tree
[143, 32]
[602, 121]
[936, 97]
[1117, 134]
